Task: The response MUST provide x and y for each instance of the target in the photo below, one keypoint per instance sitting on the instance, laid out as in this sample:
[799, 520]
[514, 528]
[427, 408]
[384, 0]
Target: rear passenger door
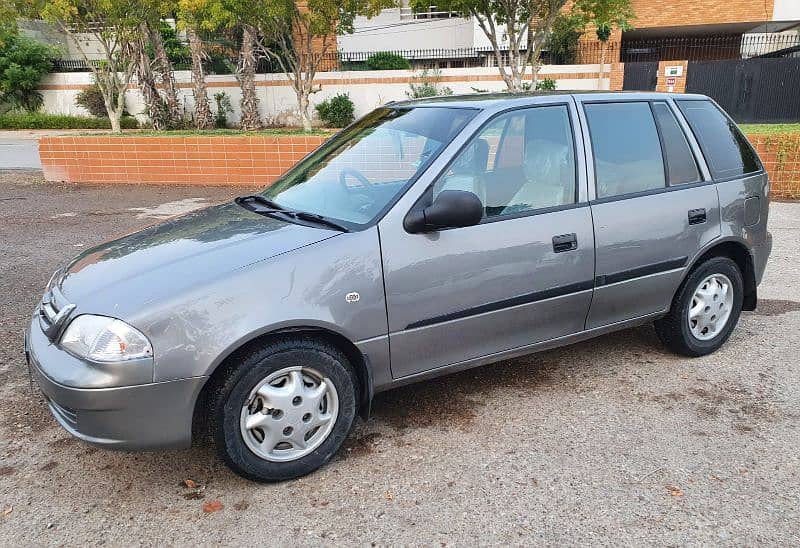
[652, 207]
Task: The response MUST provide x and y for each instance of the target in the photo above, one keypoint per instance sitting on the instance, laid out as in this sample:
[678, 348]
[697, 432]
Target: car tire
[245, 396]
[691, 327]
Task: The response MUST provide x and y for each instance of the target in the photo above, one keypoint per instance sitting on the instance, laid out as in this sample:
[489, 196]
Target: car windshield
[359, 172]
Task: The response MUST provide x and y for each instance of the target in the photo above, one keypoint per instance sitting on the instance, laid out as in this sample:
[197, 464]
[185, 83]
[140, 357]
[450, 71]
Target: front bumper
[141, 417]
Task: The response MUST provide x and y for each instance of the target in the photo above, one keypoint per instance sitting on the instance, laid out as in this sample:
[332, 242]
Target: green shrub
[91, 98]
[23, 63]
[563, 41]
[548, 84]
[224, 107]
[176, 50]
[426, 84]
[337, 111]
[40, 120]
[385, 60]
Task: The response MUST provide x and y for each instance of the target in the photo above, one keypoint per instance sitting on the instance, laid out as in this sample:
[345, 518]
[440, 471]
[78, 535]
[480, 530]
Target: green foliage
[605, 15]
[769, 128]
[427, 84]
[548, 84]
[177, 51]
[91, 98]
[23, 63]
[563, 40]
[336, 111]
[385, 60]
[40, 120]
[224, 108]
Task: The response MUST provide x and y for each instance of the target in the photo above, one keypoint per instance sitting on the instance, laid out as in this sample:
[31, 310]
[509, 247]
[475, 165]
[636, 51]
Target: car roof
[505, 99]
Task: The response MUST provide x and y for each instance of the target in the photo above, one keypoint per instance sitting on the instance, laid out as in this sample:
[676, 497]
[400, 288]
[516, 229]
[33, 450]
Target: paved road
[609, 441]
[17, 152]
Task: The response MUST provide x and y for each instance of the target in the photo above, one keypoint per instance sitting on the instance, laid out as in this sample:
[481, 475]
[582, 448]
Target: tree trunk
[303, 103]
[246, 75]
[203, 118]
[156, 107]
[115, 117]
[602, 64]
[164, 69]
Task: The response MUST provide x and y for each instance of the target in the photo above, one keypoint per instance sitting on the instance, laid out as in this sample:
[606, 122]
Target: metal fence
[707, 48]
[712, 48]
[220, 63]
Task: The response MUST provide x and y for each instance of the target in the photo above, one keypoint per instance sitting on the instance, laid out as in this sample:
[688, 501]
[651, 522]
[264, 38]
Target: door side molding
[646, 270]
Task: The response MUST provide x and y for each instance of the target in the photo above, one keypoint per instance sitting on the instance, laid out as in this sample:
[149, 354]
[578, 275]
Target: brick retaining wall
[259, 160]
[216, 160]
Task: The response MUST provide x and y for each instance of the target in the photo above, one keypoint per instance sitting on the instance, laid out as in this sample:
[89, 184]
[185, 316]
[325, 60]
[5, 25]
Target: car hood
[158, 261]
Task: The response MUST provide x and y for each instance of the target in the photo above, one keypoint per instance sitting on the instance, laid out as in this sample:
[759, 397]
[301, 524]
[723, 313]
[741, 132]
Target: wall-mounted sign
[673, 70]
[671, 81]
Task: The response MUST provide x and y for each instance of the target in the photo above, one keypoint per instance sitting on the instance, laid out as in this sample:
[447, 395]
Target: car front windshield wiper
[319, 219]
[259, 199]
[274, 208]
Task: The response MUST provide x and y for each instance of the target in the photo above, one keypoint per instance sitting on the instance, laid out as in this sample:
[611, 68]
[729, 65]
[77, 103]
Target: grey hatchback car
[427, 237]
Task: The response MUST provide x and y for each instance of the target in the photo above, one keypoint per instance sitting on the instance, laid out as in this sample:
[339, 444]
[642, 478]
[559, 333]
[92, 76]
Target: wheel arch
[357, 359]
[738, 252]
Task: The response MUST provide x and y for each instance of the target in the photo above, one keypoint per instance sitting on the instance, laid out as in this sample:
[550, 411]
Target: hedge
[40, 120]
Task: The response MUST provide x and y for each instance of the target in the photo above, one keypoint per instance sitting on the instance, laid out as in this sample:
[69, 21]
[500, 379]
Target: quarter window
[681, 165]
[522, 161]
[726, 150]
[627, 151]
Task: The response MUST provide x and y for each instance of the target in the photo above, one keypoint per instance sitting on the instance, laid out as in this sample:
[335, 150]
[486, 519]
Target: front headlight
[104, 339]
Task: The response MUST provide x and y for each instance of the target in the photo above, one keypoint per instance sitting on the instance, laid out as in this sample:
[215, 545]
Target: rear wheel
[283, 410]
[705, 309]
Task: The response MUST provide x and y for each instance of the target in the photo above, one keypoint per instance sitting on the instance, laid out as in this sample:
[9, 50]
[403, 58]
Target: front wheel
[283, 410]
[705, 309]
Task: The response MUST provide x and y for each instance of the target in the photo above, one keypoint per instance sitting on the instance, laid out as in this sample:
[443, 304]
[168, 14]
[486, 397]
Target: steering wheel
[360, 177]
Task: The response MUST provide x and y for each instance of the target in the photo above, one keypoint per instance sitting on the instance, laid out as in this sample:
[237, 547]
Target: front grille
[67, 415]
[53, 312]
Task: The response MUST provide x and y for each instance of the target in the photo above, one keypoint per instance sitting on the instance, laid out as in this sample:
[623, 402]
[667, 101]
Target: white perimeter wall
[277, 99]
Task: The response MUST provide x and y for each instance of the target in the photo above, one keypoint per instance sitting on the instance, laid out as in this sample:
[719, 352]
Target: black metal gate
[640, 76]
[750, 90]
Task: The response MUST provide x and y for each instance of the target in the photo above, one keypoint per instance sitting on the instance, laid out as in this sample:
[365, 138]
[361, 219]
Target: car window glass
[681, 165]
[627, 151]
[521, 161]
[357, 174]
[726, 150]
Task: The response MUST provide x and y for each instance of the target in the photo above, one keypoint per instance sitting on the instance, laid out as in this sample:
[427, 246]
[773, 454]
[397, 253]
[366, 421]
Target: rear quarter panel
[746, 221]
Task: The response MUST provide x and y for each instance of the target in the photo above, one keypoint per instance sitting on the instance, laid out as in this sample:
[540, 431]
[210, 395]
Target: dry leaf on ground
[212, 506]
[675, 491]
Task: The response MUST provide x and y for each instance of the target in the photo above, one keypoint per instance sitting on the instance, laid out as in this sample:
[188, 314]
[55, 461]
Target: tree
[157, 108]
[242, 15]
[194, 16]
[299, 36]
[115, 26]
[164, 68]
[517, 21]
[23, 63]
[604, 16]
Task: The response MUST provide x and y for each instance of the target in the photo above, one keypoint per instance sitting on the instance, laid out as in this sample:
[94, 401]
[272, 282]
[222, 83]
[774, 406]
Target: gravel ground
[608, 441]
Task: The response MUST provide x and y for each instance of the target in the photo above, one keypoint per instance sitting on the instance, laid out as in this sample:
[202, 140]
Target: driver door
[521, 276]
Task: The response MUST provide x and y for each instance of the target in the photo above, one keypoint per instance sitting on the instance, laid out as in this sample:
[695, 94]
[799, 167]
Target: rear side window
[726, 150]
[681, 165]
[627, 151]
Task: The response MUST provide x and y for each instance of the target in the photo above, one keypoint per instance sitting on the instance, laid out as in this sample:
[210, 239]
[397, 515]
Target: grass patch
[214, 132]
[41, 120]
[770, 128]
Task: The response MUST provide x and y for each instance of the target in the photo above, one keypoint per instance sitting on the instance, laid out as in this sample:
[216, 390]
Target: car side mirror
[450, 209]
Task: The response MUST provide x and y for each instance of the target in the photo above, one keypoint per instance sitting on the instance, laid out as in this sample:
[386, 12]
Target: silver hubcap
[711, 307]
[289, 414]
